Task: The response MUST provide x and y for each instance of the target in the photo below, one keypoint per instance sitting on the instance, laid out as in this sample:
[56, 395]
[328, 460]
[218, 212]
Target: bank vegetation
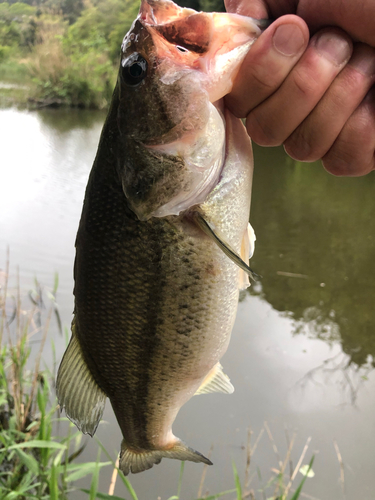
[66, 52]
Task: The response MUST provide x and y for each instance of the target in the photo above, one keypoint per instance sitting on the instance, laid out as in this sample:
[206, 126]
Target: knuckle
[266, 80]
[299, 148]
[260, 130]
[352, 154]
[306, 83]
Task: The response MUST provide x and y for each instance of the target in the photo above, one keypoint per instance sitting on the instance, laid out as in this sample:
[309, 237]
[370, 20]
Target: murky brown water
[303, 346]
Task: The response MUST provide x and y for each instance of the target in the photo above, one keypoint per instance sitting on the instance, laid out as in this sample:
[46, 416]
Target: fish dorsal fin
[216, 381]
[225, 247]
[77, 390]
[247, 251]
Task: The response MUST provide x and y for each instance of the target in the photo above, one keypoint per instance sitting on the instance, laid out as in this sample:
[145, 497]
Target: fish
[164, 240]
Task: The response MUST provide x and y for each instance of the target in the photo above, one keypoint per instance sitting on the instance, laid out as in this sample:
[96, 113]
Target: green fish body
[155, 294]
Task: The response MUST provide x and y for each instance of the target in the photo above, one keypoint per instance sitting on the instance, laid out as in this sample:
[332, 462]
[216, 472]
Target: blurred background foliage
[66, 52]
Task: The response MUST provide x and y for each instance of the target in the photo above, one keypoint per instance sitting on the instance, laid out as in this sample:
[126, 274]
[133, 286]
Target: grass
[35, 461]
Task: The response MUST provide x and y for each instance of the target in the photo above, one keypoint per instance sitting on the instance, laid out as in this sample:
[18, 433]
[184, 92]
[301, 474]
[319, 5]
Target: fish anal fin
[77, 390]
[216, 381]
[247, 251]
[137, 461]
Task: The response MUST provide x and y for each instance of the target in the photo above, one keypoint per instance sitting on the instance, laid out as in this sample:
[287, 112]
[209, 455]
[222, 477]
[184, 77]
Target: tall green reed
[35, 463]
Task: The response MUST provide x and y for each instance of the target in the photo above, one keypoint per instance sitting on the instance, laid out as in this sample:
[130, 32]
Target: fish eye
[134, 69]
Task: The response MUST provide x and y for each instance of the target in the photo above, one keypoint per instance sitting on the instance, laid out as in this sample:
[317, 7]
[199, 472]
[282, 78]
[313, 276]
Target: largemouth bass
[163, 243]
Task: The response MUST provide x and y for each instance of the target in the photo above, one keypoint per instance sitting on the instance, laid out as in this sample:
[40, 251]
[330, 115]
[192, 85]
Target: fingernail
[288, 39]
[333, 46]
[363, 60]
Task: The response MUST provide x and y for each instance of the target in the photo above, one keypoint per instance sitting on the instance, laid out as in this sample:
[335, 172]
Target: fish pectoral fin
[137, 461]
[77, 390]
[216, 381]
[225, 247]
[247, 251]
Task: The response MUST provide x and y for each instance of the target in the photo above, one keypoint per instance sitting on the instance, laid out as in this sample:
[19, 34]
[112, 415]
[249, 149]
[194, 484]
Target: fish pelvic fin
[247, 251]
[137, 461]
[225, 247]
[215, 381]
[77, 390]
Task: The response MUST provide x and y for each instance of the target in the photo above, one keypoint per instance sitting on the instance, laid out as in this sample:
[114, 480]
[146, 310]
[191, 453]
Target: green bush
[4, 53]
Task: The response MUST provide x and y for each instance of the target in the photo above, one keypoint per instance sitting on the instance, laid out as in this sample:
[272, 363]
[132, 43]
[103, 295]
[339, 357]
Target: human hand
[313, 97]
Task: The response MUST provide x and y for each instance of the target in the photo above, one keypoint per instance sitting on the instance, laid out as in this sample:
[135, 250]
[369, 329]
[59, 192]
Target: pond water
[302, 351]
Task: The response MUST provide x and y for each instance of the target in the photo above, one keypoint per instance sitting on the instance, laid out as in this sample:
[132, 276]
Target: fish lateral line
[225, 247]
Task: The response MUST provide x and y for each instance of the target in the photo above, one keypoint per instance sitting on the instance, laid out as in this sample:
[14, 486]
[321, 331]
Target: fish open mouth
[180, 64]
[207, 50]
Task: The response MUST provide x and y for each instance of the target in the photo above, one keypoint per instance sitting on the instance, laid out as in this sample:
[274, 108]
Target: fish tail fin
[138, 461]
[77, 390]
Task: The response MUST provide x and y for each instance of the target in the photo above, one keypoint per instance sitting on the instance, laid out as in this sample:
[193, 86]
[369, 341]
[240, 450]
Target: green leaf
[53, 484]
[237, 481]
[218, 495]
[95, 478]
[29, 461]
[84, 470]
[104, 496]
[121, 475]
[299, 489]
[37, 443]
[180, 480]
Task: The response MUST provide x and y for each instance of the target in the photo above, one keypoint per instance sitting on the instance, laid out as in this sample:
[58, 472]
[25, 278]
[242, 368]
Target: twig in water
[342, 474]
[257, 442]
[114, 477]
[37, 364]
[273, 444]
[292, 275]
[288, 444]
[248, 459]
[204, 472]
[297, 466]
[283, 467]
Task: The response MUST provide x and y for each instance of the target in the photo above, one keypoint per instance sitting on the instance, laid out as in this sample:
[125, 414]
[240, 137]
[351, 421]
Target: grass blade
[85, 469]
[95, 478]
[29, 461]
[53, 484]
[237, 482]
[299, 489]
[180, 479]
[218, 495]
[37, 443]
[104, 496]
[126, 481]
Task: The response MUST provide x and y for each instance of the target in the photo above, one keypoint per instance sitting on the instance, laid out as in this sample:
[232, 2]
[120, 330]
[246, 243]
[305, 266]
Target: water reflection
[315, 250]
[301, 354]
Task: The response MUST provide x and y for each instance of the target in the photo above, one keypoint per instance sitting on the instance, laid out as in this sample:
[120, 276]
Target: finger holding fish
[275, 119]
[318, 132]
[272, 57]
[353, 152]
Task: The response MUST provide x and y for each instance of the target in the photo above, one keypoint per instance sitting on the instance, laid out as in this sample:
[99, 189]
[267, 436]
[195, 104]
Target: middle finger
[275, 119]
